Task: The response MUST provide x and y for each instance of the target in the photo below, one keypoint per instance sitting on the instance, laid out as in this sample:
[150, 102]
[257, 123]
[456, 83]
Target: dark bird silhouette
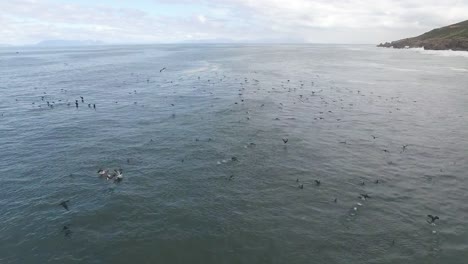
[66, 231]
[301, 186]
[297, 180]
[403, 148]
[373, 136]
[94, 106]
[336, 200]
[362, 183]
[386, 151]
[432, 218]
[231, 177]
[285, 140]
[161, 70]
[234, 158]
[64, 204]
[376, 182]
[82, 99]
[364, 196]
[317, 182]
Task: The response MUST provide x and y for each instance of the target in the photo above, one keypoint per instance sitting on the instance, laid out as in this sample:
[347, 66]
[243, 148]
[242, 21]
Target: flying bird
[65, 205]
[285, 140]
[433, 218]
[161, 70]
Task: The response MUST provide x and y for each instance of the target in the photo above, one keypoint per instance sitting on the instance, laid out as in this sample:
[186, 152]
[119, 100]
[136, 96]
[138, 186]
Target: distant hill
[68, 43]
[453, 37]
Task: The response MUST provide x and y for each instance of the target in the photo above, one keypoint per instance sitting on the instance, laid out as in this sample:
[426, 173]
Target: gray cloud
[331, 21]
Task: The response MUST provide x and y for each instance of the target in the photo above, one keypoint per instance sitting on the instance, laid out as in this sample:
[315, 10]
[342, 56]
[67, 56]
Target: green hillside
[454, 37]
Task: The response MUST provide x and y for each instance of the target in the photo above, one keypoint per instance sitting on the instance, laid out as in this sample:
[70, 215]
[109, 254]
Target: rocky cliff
[453, 37]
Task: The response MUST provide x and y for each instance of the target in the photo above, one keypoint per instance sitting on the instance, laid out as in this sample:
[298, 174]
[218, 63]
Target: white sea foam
[458, 69]
[445, 53]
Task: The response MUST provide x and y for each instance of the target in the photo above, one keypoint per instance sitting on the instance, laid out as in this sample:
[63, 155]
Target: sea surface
[207, 175]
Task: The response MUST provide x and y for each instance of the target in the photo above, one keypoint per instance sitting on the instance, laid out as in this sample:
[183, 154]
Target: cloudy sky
[168, 21]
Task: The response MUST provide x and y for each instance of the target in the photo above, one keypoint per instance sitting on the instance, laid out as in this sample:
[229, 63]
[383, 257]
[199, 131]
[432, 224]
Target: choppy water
[174, 134]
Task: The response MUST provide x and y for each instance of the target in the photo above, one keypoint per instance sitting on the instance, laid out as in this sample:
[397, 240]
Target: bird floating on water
[403, 148]
[364, 196]
[66, 230]
[118, 176]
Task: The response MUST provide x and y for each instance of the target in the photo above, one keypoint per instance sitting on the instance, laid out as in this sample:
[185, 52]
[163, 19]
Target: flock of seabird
[116, 174]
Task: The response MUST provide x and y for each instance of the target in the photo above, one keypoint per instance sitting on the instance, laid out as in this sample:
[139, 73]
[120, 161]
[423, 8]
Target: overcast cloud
[167, 21]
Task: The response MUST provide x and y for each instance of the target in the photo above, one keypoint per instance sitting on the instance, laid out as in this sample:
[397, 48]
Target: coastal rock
[453, 37]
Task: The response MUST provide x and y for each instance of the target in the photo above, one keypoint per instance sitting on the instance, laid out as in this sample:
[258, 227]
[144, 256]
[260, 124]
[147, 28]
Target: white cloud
[342, 21]
[201, 18]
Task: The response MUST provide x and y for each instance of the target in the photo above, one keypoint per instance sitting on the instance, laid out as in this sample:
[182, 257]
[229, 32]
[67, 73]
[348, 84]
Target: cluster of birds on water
[53, 104]
[117, 176]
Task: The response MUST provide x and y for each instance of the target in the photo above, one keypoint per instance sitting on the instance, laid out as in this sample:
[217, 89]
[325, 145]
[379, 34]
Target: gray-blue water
[184, 199]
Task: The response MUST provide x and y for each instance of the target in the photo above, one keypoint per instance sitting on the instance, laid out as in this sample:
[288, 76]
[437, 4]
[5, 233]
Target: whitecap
[458, 69]
[444, 53]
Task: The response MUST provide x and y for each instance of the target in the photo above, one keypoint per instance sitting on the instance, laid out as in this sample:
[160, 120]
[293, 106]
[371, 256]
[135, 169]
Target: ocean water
[207, 176]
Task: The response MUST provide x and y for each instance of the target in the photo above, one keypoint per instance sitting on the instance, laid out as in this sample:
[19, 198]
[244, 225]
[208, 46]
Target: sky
[24, 22]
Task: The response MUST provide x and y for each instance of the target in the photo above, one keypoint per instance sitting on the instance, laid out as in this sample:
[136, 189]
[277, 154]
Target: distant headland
[68, 43]
[453, 37]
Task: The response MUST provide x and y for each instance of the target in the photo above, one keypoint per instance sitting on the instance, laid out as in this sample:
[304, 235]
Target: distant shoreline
[453, 37]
